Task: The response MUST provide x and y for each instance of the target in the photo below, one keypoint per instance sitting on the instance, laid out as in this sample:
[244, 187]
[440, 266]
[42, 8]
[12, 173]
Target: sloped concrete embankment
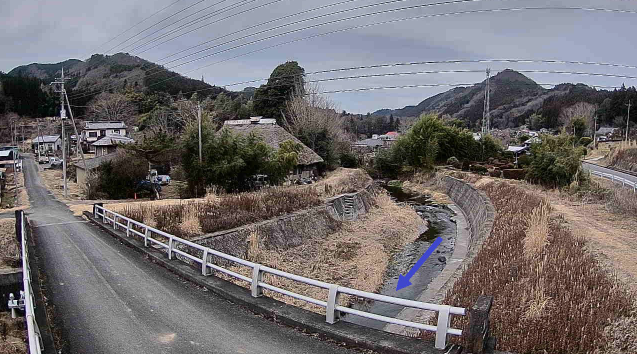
[475, 215]
[290, 230]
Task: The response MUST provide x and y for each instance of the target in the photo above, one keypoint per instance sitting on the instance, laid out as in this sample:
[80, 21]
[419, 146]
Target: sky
[50, 31]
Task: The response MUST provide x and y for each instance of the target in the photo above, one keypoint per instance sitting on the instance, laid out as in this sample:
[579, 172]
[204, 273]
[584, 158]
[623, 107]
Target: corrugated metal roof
[46, 139]
[370, 142]
[253, 120]
[104, 125]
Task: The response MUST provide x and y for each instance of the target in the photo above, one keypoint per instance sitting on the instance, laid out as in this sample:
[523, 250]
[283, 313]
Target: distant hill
[115, 72]
[514, 97]
[44, 72]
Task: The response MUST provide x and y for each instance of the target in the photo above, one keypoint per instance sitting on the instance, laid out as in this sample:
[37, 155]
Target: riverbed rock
[442, 259]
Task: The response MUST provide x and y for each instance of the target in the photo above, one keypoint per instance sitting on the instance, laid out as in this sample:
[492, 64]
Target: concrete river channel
[440, 224]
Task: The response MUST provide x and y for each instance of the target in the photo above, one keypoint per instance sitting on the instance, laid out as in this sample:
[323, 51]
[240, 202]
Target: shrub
[453, 161]
[118, 178]
[584, 141]
[349, 160]
[554, 162]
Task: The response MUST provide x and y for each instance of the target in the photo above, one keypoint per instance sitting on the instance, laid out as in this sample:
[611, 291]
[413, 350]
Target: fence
[257, 284]
[615, 179]
[26, 301]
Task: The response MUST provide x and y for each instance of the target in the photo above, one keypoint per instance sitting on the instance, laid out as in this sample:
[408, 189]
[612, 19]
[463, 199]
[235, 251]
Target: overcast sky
[49, 31]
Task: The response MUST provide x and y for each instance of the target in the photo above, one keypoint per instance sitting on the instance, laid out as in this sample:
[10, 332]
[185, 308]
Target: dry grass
[560, 301]
[622, 201]
[217, 213]
[355, 256]
[9, 247]
[537, 232]
[12, 335]
[342, 180]
[52, 179]
[624, 155]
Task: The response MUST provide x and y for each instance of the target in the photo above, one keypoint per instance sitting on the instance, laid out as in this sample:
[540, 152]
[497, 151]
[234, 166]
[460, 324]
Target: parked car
[162, 179]
[55, 162]
[43, 159]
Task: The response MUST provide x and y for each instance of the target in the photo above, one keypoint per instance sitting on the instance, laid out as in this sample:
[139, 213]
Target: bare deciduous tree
[579, 110]
[312, 116]
[112, 107]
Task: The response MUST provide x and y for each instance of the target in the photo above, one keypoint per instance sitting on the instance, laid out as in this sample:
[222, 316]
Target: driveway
[112, 300]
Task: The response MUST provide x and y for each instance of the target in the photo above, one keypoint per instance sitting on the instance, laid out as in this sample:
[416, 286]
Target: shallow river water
[441, 224]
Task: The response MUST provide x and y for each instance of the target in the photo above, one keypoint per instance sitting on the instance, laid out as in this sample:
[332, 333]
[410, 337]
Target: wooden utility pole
[199, 123]
[628, 119]
[39, 138]
[60, 81]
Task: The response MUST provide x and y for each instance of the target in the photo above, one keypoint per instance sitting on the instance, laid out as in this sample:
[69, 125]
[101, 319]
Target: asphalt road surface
[111, 300]
[591, 166]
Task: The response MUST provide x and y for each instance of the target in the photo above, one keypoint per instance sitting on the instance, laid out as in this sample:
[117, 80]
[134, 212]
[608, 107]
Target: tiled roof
[109, 140]
[104, 125]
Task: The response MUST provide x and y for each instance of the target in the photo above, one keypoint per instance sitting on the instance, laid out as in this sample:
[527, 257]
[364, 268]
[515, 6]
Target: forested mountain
[514, 98]
[26, 96]
[118, 72]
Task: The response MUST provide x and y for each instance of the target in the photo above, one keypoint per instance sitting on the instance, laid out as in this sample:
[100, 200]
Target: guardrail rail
[27, 300]
[257, 283]
[615, 179]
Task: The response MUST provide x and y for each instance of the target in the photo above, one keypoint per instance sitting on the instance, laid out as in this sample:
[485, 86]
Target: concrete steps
[348, 208]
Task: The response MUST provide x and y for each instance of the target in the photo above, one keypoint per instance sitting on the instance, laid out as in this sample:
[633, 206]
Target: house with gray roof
[91, 165]
[109, 143]
[273, 135]
[47, 143]
[94, 131]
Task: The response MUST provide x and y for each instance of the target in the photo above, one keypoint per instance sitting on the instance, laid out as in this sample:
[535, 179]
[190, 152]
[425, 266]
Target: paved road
[591, 166]
[114, 301]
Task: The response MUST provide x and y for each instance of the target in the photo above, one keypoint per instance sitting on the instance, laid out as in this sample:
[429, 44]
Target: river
[440, 224]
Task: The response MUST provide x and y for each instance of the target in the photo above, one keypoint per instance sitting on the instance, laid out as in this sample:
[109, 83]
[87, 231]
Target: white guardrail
[257, 283]
[27, 300]
[615, 179]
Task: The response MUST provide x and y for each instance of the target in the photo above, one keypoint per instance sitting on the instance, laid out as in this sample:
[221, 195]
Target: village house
[376, 142]
[94, 131]
[47, 143]
[91, 165]
[273, 135]
[109, 143]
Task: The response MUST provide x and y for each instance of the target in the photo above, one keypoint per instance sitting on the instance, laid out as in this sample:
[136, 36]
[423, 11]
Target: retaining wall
[289, 230]
[477, 208]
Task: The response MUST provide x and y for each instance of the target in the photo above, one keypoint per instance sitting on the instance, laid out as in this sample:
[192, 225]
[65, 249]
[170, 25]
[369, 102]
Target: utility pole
[60, 81]
[486, 115]
[77, 136]
[199, 123]
[628, 120]
[595, 134]
[39, 138]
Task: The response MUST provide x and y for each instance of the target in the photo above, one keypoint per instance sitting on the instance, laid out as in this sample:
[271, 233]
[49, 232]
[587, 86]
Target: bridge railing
[27, 299]
[257, 283]
[615, 179]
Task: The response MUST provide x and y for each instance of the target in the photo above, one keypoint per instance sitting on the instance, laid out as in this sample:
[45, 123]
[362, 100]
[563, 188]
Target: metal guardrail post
[114, 221]
[443, 325]
[128, 228]
[257, 276]
[146, 235]
[204, 263]
[170, 248]
[331, 314]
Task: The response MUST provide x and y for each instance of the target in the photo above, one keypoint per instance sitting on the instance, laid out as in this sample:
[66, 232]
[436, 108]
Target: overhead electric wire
[137, 24]
[366, 26]
[190, 23]
[448, 2]
[157, 23]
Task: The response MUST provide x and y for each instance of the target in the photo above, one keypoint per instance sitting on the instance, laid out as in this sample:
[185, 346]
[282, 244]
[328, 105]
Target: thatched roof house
[273, 135]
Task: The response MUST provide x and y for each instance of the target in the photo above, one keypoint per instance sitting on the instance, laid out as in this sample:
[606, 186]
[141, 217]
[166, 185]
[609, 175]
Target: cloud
[53, 31]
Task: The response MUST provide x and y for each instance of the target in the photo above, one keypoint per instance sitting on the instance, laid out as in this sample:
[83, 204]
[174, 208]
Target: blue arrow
[403, 280]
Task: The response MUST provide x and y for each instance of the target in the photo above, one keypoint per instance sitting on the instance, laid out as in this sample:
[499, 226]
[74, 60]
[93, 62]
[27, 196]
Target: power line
[365, 26]
[137, 24]
[302, 12]
[370, 25]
